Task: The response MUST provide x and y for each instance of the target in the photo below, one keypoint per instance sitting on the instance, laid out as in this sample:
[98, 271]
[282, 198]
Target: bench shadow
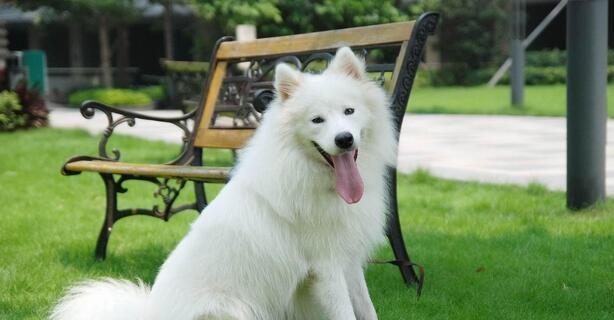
[142, 262]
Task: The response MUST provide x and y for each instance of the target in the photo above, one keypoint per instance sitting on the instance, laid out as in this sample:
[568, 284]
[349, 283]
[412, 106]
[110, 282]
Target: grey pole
[527, 42]
[587, 41]
[518, 33]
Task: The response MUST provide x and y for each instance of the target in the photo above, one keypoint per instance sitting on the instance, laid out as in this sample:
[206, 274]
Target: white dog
[288, 236]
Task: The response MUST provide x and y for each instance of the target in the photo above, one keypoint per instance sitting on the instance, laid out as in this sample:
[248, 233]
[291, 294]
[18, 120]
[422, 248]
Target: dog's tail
[103, 299]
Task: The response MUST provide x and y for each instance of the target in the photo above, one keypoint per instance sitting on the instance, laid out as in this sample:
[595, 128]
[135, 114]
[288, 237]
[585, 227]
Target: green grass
[543, 100]
[489, 251]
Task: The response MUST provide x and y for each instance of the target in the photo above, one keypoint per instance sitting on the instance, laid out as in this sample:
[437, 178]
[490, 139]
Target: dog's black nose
[344, 140]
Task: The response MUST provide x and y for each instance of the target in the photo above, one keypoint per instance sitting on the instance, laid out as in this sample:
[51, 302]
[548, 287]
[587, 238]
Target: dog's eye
[317, 120]
[348, 111]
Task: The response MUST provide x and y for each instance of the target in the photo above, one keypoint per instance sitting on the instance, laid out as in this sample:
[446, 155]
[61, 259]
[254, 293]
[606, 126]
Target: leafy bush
[111, 97]
[546, 58]
[533, 76]
[544, 75]
[11, 116]
[554, 58]
[185, 66]
[542, 67]
[33, 106]
[552, 75]
[156, 93]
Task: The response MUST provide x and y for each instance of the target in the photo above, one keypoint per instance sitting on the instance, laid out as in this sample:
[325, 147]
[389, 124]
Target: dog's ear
[286, 80]
[347, 63]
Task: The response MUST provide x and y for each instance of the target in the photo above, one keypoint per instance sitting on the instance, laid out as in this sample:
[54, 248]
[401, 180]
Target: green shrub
[554, 58]
[542, 67]
[546, 58]
[548, 75]
[533, 76]
[449, 76]
[540, 75]
[186, 66]
[111, 97]
[480, 76]
[33, 106]
[156, 93]
[11, 116]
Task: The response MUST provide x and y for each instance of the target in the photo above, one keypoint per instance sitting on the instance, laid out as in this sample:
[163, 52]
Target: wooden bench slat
[194, 173]
[317, 41]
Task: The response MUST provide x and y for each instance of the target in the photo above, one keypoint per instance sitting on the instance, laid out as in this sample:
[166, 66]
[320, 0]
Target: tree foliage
[281, 17]
[85, 10]
[470, 34]
[229, 13]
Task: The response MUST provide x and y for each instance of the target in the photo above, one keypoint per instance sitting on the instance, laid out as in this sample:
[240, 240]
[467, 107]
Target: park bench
[240, 83]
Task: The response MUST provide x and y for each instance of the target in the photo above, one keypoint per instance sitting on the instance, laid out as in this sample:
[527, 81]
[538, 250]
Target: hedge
[548, 75]
[533, 76]
[111, 97]
[554, 58]
[156, 93]
[185, 66]
[542, 67]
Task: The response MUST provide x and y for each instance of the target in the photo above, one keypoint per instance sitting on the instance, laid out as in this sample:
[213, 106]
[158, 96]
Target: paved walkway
[501, 149]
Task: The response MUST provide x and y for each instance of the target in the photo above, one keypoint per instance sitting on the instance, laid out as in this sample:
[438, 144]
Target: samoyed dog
[289, 235]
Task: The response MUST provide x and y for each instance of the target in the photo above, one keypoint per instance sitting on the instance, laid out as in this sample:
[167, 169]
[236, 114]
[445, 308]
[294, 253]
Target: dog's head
[330, 114]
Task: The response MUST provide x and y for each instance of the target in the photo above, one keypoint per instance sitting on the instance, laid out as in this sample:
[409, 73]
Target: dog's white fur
[277, 242]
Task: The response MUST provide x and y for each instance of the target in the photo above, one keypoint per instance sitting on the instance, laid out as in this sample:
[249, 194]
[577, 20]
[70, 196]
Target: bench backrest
[240, 80]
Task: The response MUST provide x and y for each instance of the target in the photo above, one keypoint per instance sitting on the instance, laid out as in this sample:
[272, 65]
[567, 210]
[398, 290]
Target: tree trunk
[123, 56]
[105, 52]
[34, 37]
[75, 36]
[168, 29]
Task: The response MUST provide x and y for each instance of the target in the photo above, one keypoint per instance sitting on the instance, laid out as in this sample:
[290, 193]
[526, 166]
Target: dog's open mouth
[348, 182]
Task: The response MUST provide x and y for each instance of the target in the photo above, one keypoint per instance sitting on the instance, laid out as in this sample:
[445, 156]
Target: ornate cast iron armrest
[67, 172]
[89, 109]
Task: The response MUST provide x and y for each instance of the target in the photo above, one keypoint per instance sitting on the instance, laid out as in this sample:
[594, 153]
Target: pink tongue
[348, 182]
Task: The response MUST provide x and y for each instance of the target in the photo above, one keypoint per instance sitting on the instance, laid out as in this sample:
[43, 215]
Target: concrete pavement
[150, 130]
[499, 149]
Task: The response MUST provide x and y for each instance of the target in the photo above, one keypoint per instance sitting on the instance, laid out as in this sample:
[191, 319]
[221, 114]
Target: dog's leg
[331, 292]
[304, 305]
[359, 293]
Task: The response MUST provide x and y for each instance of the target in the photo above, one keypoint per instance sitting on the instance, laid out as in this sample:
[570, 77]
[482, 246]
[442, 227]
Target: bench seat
[192, 173]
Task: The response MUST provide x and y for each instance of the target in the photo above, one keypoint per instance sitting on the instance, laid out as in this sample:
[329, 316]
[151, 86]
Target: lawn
[547, 100]
[489, 251]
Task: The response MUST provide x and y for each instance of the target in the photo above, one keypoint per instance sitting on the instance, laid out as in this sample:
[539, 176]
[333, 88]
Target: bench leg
[109, 219]
[395, 236]
[201, 196]
[199, 187]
